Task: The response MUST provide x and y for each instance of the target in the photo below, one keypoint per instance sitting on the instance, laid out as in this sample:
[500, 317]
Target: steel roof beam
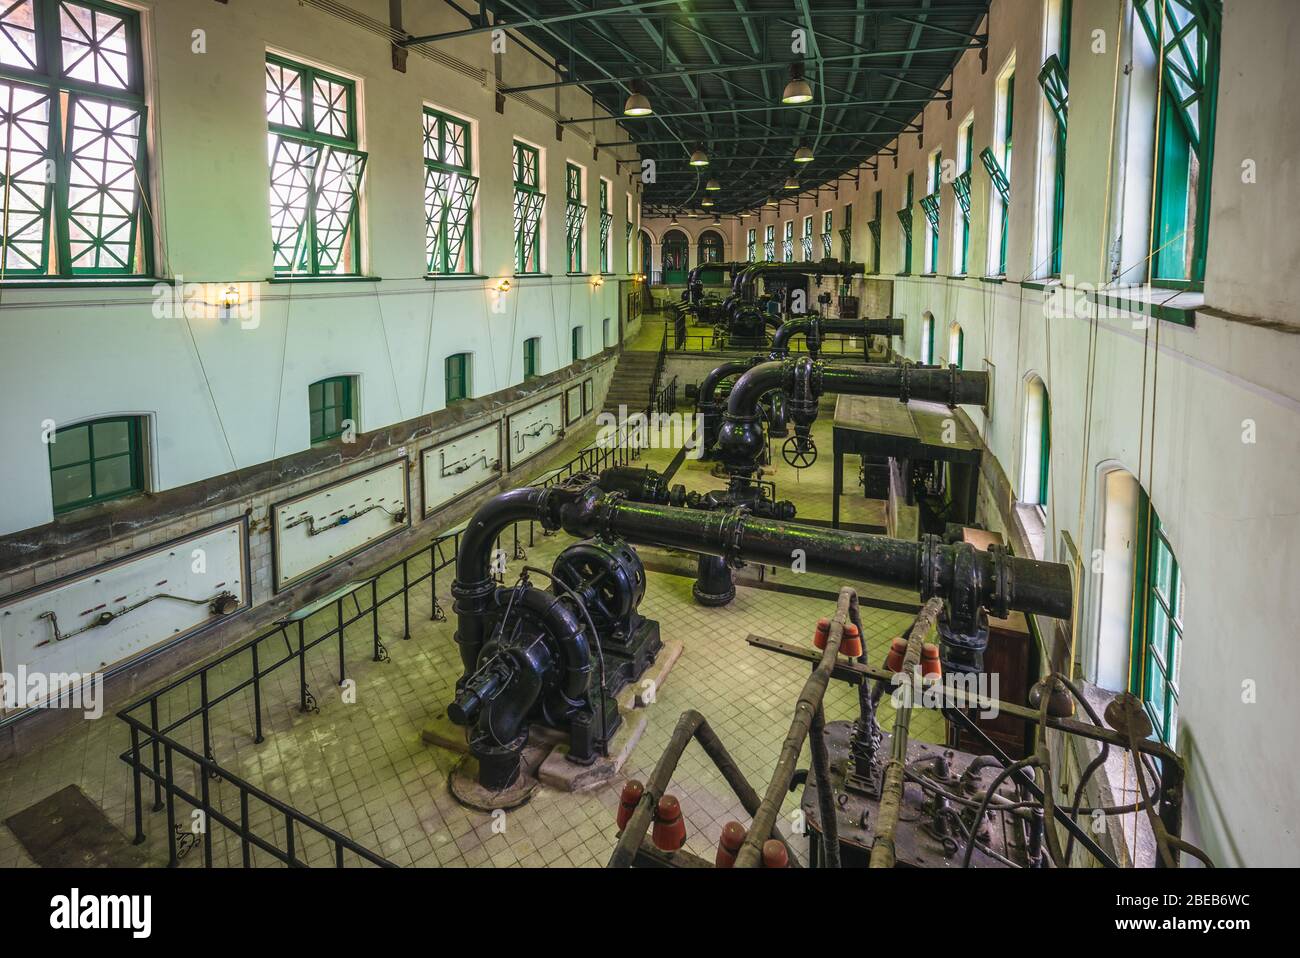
[537, 21]
[689, 70]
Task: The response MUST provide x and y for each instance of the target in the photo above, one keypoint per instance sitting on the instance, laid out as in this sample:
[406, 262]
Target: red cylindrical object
[774, 854]
[627, 803]
[822, 633]
[931, 668]
[897, 654]
[851, 641]
[733, 836]
[669, 832]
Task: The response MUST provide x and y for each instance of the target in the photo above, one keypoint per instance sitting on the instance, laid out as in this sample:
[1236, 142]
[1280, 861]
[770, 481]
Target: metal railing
[659, 368]
[713, 341]
[665, 400]
[156, 754]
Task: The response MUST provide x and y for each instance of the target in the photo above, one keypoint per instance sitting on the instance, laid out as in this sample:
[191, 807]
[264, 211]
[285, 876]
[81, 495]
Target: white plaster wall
[222, 396]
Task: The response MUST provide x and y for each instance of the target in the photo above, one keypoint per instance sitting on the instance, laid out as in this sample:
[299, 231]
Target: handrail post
[157, 760]
[135, 785]
[172, 860]
[302, 671]
[257, 697]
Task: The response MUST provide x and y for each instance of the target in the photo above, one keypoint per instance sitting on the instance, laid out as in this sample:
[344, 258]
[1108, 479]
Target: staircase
[630, 386]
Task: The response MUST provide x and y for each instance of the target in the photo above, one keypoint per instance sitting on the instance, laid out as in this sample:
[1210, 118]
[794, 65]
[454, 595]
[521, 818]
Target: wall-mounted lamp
[597, 281]
[230, 297]
[503, 285]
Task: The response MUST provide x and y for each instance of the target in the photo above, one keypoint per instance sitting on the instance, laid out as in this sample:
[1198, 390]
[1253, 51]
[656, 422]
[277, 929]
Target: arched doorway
[676, 251]
[645, 265]
[710, 251]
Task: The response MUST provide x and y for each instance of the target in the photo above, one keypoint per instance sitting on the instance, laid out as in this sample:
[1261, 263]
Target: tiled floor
[361, 767]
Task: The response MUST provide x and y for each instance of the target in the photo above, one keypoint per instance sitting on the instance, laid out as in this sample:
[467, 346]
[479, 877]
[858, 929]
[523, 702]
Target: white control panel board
[317, 529]
[457, 467]
[533, 429]
[102, 618]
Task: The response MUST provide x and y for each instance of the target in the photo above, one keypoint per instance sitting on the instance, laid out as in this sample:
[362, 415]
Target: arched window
[927, 339]
[644, 265]
[457, 378]
[96, 461]
[956, 345]
[675, 252]
[710, 247]
[1114, 632]
[1036, 443]
[532, 357]
[332, 403]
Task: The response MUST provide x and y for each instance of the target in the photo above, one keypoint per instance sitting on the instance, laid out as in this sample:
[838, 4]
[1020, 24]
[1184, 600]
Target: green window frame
[96, 461]
[532, 349]
[961, 189]
[330, 405]
[1159, 596]
[958, 359]
[75, 170]
[457, 372]
[1006, 160]
[806, 241]
[528, 203]
[751, 245]
[931, 205]
[575, 342]
[846, 235]
[1054, 78]
[787, 244]
[769, 243]
[575, 216]
[827, 219]
[450, 189]
[316, 170]
[606, 222]
[1189, 34]
[905, 219]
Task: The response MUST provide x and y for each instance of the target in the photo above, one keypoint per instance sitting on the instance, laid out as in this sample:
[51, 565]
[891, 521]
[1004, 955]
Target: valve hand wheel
[799, 453]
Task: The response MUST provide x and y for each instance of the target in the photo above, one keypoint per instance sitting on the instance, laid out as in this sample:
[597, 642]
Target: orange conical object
[897, 653]
[931, 668]
[774, 854]
[632, 793]
[733, 836]
[851, 641]
[821, 633]
[669, 833]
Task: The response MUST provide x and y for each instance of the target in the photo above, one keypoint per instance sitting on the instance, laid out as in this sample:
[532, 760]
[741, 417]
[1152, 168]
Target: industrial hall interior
[649, 434]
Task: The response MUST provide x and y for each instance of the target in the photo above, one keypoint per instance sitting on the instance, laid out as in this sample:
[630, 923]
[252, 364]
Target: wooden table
[883, 427]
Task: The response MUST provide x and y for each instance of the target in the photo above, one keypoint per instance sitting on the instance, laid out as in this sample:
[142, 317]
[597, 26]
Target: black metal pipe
[887, 326]
[473, 586]
[966, 578]
[788, 330]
